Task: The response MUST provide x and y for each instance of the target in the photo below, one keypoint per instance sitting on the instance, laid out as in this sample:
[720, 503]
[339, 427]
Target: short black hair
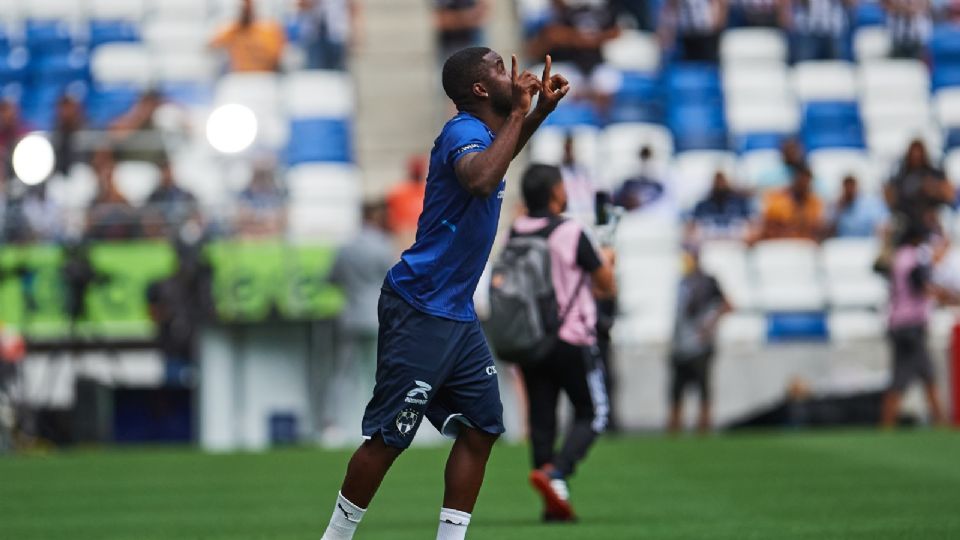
[537, 186]
[461, 70]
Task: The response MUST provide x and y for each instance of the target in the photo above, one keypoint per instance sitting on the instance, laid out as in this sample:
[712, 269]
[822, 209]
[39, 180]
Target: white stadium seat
[546, 145]
[785, 260]
[322, 222]
[187, 36]
[825, 81]
[895, 79]
[186, 68]
[951, 165]
[761, 81]
[742, 329]
[727, 261]
[641, 233]
[131, 10]
[947, 107]
[181, 10]
[619, 149]
[334, 183]
[831, 165]
[799, 296]
[70, 10]
[11, 11]
[871, 43]
[123, 63]
[855, 325]
[752, 115]
[692, 173]
[318, 94]
[633, 51]
[756, 45]
[136, 180]
[849, 257]
[753, 165]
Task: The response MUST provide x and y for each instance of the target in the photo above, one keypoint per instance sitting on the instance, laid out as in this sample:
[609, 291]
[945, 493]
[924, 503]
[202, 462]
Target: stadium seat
[633, 51]
[753, 164]
[334, 183]
[626, 139]
[869, 14]
[749, 115]
[48, 37]
[546, 146]
[300, 90]
[741, 329]
[824, 81]
[574, 114]
[831, 165]
[185, 68]
[951, 166]
[947, 107]
[889, 144]
[894, 79]
[827, 125]
[848, 269]
[60, 70]
[64, 10]
[692, 81]
[136, 180]
[755, 81]
[848, 325]
[107, 103]
[643, 330]
[316, 222]
[640, 233]
[944, 45]
[794, 297]
[787, 276]
[871, 43]
[122, 64]
[11, 12]
[113, 10]
[112, 31]
[166, 36]
[727, 261]
[315, 140]
[692, 173]
[639, 99]
[75, 191]
[755, 45]
[946, 76]
[181, 10]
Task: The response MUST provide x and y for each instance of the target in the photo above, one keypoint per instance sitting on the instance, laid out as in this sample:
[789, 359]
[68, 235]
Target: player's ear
[480, 91]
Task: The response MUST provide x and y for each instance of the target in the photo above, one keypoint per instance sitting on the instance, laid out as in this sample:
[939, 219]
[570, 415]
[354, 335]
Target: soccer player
[433, 359]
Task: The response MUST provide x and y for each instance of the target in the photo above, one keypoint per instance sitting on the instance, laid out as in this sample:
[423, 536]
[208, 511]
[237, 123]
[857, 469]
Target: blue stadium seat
[38, 105]
[106, 104]
[869, 14]
[186, 93]
[708, 139]
[953, 139]
[757, 141]
[574, 113]
[690, 81]
[45, 37]
[945, 75]
[111, 31]
[13, 66]
[319, 139]
[638, 100]
[815, 139]
[60, 69]
[830, 115]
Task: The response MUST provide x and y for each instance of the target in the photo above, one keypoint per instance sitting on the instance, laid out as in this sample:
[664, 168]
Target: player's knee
[378, 448]
[477, 439]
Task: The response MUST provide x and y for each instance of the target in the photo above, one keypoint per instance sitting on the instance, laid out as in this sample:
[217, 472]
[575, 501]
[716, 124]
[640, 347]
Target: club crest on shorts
[406, 421]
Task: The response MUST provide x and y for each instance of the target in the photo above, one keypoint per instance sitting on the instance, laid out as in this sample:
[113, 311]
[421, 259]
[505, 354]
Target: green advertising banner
[252, 281]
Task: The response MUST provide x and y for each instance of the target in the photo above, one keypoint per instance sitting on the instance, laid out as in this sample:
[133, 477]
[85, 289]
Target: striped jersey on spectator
[696, 16]
[909, 21]
[820, 17]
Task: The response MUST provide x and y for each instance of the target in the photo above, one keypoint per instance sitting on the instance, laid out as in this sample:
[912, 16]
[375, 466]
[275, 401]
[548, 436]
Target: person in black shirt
[918, 190]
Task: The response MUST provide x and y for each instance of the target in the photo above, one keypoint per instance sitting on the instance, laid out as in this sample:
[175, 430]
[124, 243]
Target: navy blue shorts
[433, 367]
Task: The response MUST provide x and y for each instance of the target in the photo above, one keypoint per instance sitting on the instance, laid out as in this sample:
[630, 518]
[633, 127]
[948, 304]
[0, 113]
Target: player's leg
[901, 346]
[463, 478]
[677, 378]
[367, 469]
[925, 371]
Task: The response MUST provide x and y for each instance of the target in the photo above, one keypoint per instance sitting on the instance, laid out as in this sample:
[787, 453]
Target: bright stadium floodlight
[231, 128]
[33, 159]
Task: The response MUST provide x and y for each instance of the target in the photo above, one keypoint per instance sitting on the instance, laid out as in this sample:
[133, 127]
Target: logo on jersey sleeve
[406, 421]
[420, 394]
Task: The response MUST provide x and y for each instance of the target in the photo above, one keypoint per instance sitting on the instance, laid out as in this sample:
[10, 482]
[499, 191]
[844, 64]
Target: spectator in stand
[646, 191]
[168, 207]
[44, 217]
[911, 24]
[251, 44]
[756, 13]
[696, 25]
[918, 191]
[12, 129]
[818, 28]
[912, 296]
[779, 176]
[795, 211]
[262, 205]
[577, 181]
[723, 214]
[856, 215]
[328, 28]
[574, 36]
[405, 199]
[135, 134]
[459, 24]
[110, 216]
[68, 122]
[358, 270]
[700, 306]
[637, 10]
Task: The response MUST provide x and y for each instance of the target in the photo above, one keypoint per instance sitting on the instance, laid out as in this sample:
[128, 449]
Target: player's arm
[603, 278]
[480, 173]
[552, 90]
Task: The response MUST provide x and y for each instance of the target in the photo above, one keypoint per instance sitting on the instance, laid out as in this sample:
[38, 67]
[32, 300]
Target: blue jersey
[439, 273]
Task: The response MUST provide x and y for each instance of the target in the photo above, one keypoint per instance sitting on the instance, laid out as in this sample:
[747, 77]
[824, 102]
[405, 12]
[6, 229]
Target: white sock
[346, 517]
[453, 524]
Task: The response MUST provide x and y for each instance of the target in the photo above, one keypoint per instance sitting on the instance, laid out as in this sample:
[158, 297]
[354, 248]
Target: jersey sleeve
[588, 258]
[462, 138]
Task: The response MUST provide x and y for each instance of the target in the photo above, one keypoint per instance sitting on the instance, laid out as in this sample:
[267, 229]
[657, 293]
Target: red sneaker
[555, 495]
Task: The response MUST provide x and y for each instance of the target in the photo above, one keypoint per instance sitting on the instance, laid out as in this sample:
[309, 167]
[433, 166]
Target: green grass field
[816, 486]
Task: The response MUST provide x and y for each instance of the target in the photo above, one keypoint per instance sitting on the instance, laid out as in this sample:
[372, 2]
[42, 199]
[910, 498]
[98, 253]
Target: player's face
[498, 84]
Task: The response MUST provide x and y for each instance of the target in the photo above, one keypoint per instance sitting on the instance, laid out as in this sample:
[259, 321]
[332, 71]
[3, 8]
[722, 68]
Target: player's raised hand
[525, 86]
[552, 88]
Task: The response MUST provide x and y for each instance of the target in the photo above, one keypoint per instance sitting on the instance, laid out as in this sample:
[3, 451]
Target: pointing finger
[546, 70]
[514, 68]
